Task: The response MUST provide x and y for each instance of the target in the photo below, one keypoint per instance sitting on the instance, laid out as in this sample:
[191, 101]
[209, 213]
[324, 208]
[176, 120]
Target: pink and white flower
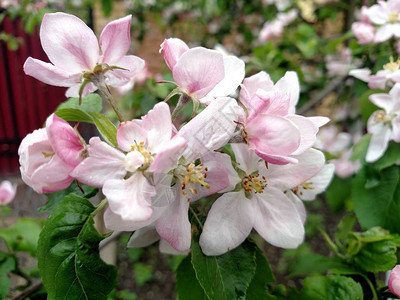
[260, 203]
[73, 50]
[48, 155]
[7, 192]
[364, 32]
[394, 281]
[387, 16]
[147, 146]
[202, 73]
[274, 29]
[271, 128]
[384, 125]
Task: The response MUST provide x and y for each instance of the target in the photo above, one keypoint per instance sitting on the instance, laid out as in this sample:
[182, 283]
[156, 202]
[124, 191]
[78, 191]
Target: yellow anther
[393, 17]
[253, 183]
[392, 65]
[46, 155]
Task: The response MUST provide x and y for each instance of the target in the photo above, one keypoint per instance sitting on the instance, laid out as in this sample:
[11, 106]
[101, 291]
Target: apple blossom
[7, 192]
[274, 29]
[384, 125]
[148, 146]
[364, 32]
[201, 72]
[394, 281]
[48, 155]
[73, 50]
[260, 203]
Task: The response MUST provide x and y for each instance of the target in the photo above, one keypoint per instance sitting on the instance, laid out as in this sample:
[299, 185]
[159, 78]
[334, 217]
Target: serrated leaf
[262, 276]
[68, 253]
[7, 264]
[187, 286]
[23, 235]
[331, 287]
[379, 205]
[54, 199]
[106, 128]
[92, 102]
[227, 276]
[377, 257]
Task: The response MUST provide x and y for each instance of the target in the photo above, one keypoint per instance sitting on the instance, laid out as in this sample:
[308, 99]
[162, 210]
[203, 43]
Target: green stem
[99, 207]
[196, 217]
[106, 95]
[183, 100]
[330, 243]
[371, 286]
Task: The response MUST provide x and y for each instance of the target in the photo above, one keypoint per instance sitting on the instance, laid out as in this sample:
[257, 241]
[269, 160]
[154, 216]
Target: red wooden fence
[25, 102]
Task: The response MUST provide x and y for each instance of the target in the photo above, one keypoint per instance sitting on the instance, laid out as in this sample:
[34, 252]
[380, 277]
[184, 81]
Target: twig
[319, 97]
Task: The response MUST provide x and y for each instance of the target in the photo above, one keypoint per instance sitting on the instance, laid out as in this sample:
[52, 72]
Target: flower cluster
[157, 168]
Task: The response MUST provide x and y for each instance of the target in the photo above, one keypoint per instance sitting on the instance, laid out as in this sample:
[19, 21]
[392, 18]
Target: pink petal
[317, 184]
[257, 104]
[277, 159]
[132, 66]
[115, 39]
[211, 129]
[167, 158]
[174, 226]
[384, 101]
[276, 219]
[129, 134]
[104, 162]
[73, 91]
[130, 198]
[290, 84]
[52, 176]
[319, 121]
[246, 159]
[49, 73]
[301, 210]
[166, 248]
[362, 74]
[68, 42]
[234, 74]
[272, 135]
[7, 192]
[143, 237]
[173, 49]
[278, 104]
[288, 176]
[64, 140]
[199, 70]
[379, 141]
[261, 80]
[158, 125]
[396, 129]
[308, 132]
[228, 224]
[384, 33]
[394, 281]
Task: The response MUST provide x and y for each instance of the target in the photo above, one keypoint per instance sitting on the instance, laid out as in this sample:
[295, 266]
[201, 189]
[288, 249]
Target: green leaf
[379, 205]
[366, 106]
[68, 253]
[7, 264]
[227, 276]
[263, 275]
[23, 235]
[74, 115]
[360, 149]
[187, 286]
[391, 156]
[377, 256]
[106, 128]
[54, 198]
[106, 6]
[92, 103]
[332, 287]
[344, 228]
[143, 273]
[70, 110]
[337, 193]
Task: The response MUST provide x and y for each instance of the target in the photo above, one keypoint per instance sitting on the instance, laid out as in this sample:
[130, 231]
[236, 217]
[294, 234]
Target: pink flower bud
[364, 32]
[7, 192]
[394, 281]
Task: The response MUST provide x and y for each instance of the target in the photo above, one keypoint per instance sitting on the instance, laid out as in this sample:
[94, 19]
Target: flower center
[304, 186]
[381, 117]
[392, 66]
[138, 157]
[393, 17]
[253, 183]
[190, 176]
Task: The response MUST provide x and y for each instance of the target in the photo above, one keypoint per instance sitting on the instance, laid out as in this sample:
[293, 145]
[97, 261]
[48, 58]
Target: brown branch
[334, 84]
